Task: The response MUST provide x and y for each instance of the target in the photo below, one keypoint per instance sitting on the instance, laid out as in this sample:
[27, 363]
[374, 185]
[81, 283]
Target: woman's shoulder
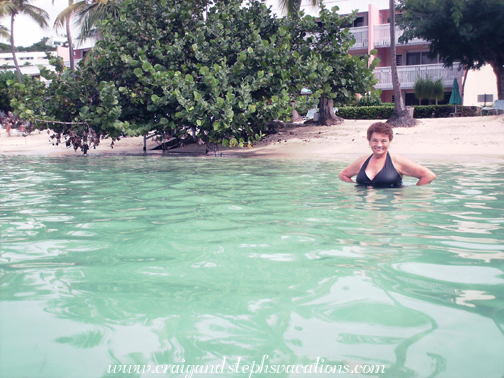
[398, 159]
[354, 167]
[406, 166]
[361, 160]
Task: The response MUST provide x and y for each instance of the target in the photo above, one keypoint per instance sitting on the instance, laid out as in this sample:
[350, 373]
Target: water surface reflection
[138, 260]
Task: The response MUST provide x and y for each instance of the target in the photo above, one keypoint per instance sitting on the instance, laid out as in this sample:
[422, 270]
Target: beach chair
[311, 113]
[497, 107]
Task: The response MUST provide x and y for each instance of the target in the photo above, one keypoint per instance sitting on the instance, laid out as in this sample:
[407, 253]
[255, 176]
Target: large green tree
[466, 31]
[13, 8]
[224, 72]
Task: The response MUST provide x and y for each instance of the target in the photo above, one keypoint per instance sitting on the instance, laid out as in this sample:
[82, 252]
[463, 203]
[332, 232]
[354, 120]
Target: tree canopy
[465, 31]
[163, 67]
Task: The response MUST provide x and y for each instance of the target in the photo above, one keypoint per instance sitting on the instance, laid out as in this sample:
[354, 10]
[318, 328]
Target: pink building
[79, 53]
[371, 30]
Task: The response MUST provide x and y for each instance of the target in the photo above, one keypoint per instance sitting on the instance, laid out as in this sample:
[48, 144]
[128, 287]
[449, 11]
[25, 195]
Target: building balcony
[382, 36]
[361, 35]
[33, 57]
[408, 75]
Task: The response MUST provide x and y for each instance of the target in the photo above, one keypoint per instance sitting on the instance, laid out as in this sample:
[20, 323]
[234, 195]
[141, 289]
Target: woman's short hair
[380, 128]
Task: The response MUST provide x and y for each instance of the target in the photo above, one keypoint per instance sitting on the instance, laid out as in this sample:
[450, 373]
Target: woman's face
[379, 144]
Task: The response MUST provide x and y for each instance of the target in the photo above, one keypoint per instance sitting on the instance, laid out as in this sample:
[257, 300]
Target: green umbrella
[455, 98]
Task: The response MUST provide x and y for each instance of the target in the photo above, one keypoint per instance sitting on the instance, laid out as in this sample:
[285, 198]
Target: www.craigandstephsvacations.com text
[239, 367]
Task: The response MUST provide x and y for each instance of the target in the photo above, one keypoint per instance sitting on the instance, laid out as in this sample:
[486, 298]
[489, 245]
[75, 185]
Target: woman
[382, 169]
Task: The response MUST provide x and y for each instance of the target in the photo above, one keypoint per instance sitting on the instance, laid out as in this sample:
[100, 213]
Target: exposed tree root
[402, 119]
[296, 117]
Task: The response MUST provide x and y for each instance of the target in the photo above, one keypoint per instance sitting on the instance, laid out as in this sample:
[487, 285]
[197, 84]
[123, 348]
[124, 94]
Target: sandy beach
[438, 139]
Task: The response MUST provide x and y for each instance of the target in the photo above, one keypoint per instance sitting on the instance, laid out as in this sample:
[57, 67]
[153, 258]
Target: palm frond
[90, 17]
[7, 8]
[73, 8]
[4, 32]
[292, 6]
[37, 14]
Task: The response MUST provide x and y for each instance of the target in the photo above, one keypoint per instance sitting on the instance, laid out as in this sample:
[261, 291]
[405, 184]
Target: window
[412, 59]
[427, 60]
[416, 58]
[359, 21]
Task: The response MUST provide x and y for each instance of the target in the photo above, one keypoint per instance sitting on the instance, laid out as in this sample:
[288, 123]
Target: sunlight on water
[157, 260]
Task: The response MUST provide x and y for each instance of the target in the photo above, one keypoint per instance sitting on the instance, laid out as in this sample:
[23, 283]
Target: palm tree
[65, 21]
[90, 13]
[401, 116]
[14, 7]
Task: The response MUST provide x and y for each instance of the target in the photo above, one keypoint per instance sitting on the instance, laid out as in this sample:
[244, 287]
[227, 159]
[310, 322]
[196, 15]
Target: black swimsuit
[388, 177]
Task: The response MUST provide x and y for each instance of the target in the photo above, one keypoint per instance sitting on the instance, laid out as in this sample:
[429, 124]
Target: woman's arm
[410, 168]
[352, 170]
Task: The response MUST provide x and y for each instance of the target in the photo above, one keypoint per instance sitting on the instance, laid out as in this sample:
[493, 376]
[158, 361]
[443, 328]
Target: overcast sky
[26, 32]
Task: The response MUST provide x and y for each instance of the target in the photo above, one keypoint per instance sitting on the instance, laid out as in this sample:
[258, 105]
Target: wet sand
[439, 139]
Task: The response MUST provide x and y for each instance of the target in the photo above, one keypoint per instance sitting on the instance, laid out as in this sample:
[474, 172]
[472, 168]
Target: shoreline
[432, 139]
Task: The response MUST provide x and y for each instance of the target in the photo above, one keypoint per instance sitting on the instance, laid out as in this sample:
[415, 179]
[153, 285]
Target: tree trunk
[296, 117]
[499, 72]
[401, 116]
[13, 47]
[326, 112]
[70, 43]
[463, 85]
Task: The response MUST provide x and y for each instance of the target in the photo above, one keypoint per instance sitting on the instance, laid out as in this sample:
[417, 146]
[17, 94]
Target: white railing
[408, 75]
[33, 58]
[361, 37]
[382, 36]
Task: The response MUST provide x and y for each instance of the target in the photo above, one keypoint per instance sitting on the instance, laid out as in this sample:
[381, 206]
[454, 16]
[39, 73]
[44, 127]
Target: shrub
[372, 98]
[440, 111]
[428, 89]
[385, 111]
[366, 112]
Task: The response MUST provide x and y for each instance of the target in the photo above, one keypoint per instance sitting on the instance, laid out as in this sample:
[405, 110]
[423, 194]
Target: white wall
[478, 83]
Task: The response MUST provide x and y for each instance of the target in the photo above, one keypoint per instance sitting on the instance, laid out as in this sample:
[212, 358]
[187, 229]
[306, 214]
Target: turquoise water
[207, 261]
